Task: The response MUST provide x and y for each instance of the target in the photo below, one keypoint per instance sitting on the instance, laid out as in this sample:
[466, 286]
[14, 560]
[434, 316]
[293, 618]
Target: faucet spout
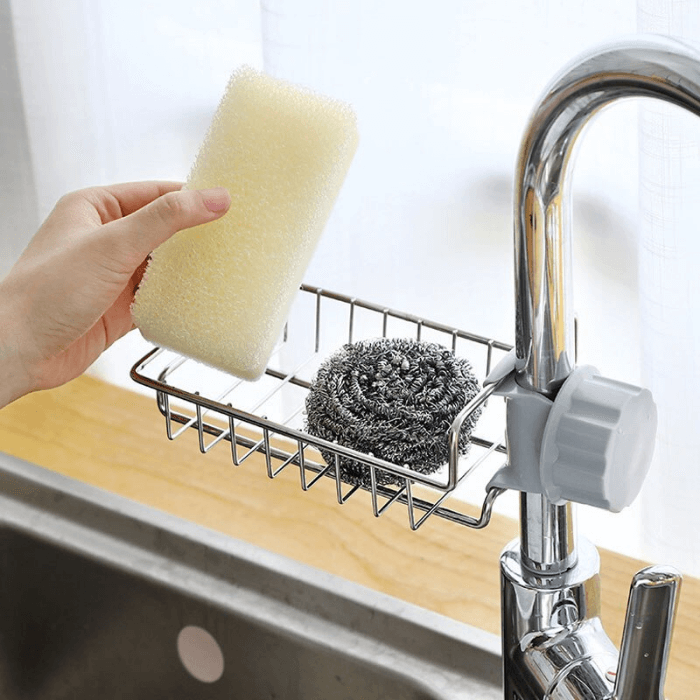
[639, 67]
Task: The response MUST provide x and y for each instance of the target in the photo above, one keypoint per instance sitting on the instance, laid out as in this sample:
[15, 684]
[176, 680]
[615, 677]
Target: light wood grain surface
[115, 439]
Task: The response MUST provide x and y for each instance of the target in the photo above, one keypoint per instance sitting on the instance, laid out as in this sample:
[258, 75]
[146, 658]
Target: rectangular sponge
[221, 292]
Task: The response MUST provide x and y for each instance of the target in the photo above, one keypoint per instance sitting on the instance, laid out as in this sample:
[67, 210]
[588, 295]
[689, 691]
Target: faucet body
[554, 645]
[552, 631]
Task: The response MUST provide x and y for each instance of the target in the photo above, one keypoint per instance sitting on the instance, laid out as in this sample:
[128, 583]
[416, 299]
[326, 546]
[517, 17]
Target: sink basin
[101, 597]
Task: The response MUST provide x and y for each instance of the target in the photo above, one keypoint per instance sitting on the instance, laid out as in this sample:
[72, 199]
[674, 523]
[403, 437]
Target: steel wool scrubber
[393, 398]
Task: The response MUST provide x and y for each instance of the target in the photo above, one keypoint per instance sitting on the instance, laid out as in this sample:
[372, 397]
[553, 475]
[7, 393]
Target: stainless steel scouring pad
[394, 399]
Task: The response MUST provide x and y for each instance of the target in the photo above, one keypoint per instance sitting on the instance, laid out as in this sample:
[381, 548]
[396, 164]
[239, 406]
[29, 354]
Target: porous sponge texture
[221, 292]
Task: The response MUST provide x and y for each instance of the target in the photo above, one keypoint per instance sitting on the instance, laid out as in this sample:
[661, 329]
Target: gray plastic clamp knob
[598, 441]
[593, 444]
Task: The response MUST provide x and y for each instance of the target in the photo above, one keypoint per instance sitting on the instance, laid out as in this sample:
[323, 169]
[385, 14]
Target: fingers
[132, 196]
[145, 229]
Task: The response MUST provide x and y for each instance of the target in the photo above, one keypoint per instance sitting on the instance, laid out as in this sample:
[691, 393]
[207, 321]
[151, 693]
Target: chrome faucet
[554, 645]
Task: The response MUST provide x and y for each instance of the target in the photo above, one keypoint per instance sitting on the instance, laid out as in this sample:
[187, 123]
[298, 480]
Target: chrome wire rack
[267, 416]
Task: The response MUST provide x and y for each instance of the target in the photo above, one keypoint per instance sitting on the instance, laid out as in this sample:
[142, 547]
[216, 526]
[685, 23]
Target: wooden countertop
[115, 439]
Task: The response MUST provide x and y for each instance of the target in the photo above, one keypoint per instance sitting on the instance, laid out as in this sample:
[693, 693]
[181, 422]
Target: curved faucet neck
[639, 67]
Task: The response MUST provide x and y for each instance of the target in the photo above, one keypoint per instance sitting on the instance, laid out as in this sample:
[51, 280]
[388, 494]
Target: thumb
[145, 229]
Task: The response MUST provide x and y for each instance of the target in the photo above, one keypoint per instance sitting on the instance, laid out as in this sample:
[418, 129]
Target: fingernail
[216, 199]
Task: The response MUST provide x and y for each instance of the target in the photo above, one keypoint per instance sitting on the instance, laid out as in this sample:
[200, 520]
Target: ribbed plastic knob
[598, 441]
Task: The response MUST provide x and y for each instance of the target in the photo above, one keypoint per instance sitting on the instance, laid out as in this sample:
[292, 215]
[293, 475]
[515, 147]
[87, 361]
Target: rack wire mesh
[267, 416]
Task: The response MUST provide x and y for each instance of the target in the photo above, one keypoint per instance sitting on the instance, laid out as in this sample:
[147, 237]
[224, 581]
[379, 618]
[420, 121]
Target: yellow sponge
[221, 292]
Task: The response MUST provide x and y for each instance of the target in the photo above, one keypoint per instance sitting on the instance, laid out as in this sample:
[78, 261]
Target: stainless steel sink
[103, 598]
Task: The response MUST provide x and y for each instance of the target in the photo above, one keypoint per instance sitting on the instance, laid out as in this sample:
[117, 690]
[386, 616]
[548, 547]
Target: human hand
[68, 297]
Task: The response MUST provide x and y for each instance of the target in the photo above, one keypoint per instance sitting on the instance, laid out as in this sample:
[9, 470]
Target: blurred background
[101, 91]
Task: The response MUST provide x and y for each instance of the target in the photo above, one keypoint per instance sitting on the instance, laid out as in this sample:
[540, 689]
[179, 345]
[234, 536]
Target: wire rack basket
[267, 416]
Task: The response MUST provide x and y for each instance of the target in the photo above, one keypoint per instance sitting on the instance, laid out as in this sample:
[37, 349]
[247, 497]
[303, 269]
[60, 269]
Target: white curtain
[115, 90]
[669, 288]
[17, 192]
